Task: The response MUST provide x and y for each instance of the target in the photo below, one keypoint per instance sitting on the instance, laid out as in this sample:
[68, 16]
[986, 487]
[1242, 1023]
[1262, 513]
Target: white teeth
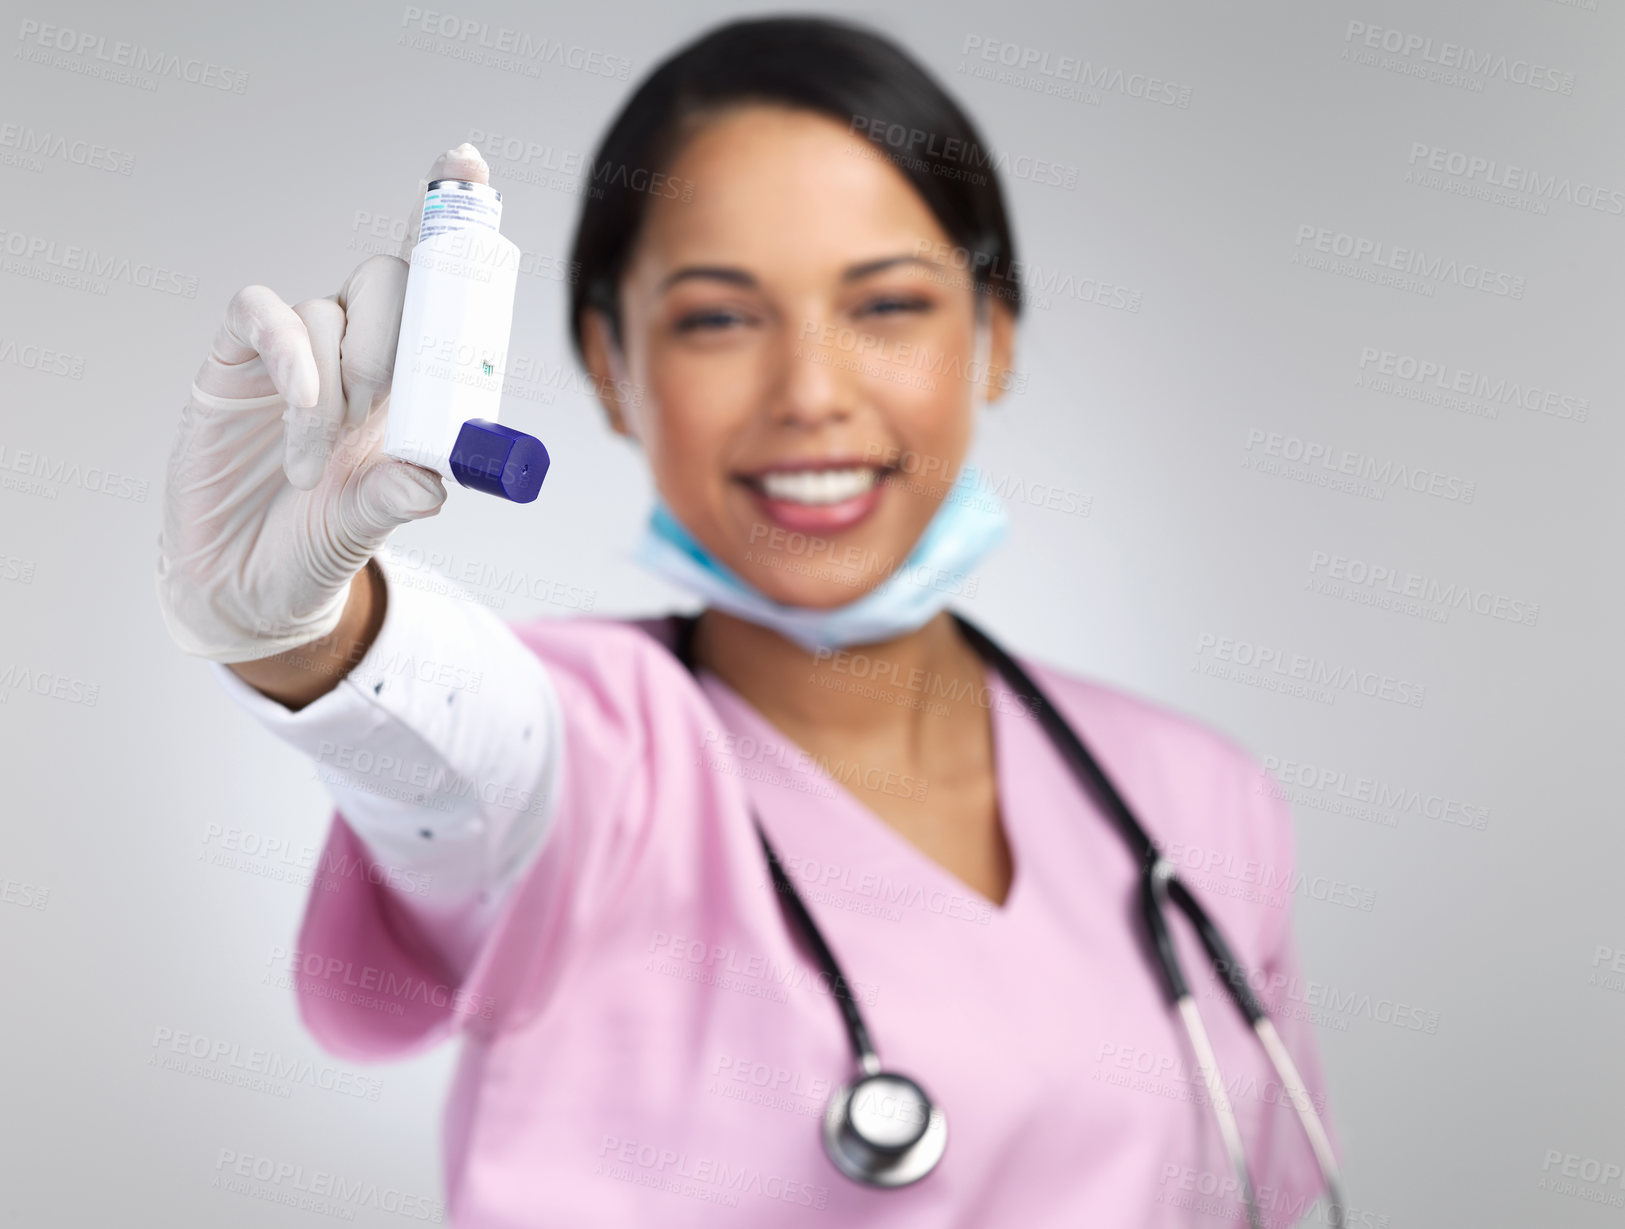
[819, 486]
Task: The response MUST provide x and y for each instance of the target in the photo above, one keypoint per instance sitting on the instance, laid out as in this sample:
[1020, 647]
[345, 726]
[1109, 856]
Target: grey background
[1145, 414]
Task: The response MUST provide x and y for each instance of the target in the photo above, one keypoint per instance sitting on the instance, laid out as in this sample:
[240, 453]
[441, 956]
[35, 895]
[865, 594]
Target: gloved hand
[277, 493]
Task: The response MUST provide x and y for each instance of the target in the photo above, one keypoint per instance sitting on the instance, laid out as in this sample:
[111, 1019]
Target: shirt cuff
[442, 749]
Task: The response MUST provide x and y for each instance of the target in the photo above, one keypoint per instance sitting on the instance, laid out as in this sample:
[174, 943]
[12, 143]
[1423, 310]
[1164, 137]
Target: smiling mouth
[817, 486]
[827, 496]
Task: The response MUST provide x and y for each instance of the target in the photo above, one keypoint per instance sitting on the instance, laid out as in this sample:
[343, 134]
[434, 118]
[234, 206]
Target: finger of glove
[258, 324]
[463, 162]
[372, 299]
[386, 493]
[309, 433]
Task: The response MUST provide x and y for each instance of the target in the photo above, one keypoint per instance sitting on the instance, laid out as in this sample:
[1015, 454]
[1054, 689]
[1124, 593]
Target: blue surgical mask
[970, 522]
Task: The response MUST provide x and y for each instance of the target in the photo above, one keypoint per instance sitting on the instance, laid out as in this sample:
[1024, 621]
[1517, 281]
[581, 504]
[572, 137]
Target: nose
[817, 384]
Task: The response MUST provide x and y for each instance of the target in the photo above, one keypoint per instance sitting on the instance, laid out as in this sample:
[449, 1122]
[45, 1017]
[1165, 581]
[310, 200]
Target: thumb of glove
[390, 493]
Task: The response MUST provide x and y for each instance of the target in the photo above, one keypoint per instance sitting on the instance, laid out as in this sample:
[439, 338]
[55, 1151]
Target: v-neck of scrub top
[854, 817]
[1046, 982]
[1058, 983]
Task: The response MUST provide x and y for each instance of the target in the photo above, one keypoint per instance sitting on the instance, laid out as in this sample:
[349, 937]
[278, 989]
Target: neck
[864, 692]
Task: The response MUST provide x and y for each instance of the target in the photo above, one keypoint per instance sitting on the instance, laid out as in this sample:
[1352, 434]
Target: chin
[807, 583]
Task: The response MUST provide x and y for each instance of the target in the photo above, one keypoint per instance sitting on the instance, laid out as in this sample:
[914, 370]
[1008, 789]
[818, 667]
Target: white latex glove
[277, 493]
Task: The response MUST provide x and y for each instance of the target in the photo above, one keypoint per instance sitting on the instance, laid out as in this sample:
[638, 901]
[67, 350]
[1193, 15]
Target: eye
[709, 319]
[892, 305]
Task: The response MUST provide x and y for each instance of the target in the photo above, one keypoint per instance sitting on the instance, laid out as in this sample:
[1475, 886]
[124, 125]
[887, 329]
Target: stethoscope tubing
[1159, 887]
[857, 1030]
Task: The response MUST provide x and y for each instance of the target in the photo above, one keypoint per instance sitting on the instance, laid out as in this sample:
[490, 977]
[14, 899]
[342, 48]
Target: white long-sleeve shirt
[441, 747]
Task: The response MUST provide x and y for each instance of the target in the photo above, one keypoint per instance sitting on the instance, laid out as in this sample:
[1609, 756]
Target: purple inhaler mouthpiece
[499, 460]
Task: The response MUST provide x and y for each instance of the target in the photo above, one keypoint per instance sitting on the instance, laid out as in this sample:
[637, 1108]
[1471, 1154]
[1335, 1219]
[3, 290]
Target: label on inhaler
[455, 324]
[456, 205]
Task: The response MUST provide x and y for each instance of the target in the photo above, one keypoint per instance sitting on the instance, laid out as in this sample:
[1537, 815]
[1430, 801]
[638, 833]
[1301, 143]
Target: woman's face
[803, 344]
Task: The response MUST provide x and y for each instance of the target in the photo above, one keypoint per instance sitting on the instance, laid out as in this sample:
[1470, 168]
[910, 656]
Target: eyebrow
[741, 277]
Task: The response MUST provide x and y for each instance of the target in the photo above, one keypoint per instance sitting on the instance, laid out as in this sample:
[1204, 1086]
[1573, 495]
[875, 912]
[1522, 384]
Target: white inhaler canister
[446, 392]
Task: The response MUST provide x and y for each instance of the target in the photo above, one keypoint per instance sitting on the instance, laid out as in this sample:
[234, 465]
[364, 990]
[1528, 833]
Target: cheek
[685, 438]
[932, 426]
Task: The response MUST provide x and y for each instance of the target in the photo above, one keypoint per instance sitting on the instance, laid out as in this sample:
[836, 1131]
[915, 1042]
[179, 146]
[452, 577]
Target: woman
[556, 858]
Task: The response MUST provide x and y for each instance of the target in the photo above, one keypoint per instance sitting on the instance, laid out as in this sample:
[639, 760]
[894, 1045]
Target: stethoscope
[882, 1129]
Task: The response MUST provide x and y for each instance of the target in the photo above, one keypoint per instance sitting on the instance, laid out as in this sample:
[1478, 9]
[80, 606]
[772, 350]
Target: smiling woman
[775, 361]
[688, 879]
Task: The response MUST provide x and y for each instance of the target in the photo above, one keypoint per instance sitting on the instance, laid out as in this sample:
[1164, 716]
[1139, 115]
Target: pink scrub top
[646, 1043]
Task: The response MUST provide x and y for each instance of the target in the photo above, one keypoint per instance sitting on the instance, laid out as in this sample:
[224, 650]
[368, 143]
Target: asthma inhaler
[446, 392]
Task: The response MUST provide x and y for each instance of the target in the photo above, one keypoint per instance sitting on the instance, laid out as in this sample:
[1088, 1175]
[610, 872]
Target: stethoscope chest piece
[882, 1130]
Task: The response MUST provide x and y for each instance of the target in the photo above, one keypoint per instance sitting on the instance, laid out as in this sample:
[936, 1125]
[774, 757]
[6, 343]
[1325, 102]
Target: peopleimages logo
[965, 266]
[1219, 1195]
[1381, 368]
[1321, 1003]
[317, 1190]
[1215, 869]
[1612, 961]
[84, 268]
[829, 877]
[14, 678]
[917, 141]
[709, 1179]
[502, 47]
[1442, 54]
[331, 977]
[32, 146]
[132, 63]
[1269, 662]
[1377, 256]
[761, 972]
[231, 1062]
[724, 747]
[1043, 62]
[33, 357]
[1494, 174]
[1589, 1178]
[1375, 581]
[1364, 797]
[1363, 468]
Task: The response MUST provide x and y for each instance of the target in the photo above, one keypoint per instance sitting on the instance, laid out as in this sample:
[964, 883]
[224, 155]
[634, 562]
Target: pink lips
[816, 518]
[819, 518]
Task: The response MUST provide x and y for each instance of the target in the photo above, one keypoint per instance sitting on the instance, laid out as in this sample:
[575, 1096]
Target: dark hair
[844, 71]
